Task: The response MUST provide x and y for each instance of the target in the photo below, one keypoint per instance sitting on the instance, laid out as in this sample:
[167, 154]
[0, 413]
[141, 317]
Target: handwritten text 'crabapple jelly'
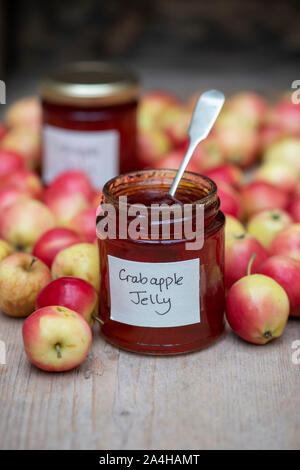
[153, 294]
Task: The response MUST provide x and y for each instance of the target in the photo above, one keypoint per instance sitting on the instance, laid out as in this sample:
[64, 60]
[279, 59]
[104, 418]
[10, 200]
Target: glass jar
[157, 296]
[89, 121]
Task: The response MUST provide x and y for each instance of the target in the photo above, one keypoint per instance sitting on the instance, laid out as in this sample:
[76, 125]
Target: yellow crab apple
[22, 277]
[24, 222]
[25, 112]
[266, 224]
[25, 141]
[56, 339]
[280, 174]
[285, 150]
[5, 249]
[233, 225]
[257, 308]
[80, 260]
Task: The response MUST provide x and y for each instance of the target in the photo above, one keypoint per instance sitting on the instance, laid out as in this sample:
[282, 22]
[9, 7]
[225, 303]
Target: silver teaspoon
[204, 116]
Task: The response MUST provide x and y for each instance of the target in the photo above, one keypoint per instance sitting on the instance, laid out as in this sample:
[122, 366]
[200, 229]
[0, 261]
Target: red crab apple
[56, 338]
[68, 194]
[286, 115]
[257, 308]
[73, 293]
[239, 247]
[25, 141]
[279, 174]
[22, 277]
[266, 224]
[287, 242]
[53, 241]
[286, 150]
[3, 130]
[84, 223]
[238, 141]
[80, 260]
[207, 155]
[11, 195]
[24, 222]
[157, 100]
[230, 200]
[173, 161]
[297, 190]
[24, 180]
[258, 196]
[268, 134]
[250, 105]
[151, 107]
[70, 182]
[285, 271]
[240, 146]
[152, 145]
[294, 208]
[174, 122]
[25, 112]
[65, 206]
[233, 225]
[227, 173]
[9, 161]
[231, 119]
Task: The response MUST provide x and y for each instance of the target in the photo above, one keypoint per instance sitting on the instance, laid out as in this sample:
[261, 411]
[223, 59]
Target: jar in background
[134, 308]
[89, 121]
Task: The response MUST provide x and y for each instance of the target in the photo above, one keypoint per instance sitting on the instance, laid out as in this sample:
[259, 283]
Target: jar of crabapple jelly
[160, 294]
[89, 121]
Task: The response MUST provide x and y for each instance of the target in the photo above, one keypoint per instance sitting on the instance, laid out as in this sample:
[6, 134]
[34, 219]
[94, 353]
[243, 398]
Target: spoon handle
[204, 116]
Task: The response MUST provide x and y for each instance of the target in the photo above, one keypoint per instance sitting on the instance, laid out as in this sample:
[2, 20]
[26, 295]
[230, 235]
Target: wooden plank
[231, 395]
[47, 411]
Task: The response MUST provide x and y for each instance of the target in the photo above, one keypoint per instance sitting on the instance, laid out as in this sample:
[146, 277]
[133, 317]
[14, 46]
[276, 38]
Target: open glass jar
[157, 296]
[89, 121]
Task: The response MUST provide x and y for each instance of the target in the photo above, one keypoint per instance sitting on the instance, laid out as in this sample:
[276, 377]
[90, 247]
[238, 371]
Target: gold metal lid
[90, 84]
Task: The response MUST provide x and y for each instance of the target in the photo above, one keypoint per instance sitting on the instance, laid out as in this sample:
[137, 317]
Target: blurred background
[181, 45]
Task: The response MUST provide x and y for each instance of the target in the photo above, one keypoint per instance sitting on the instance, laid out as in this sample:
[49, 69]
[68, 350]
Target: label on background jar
[94, 152]
[157, 295]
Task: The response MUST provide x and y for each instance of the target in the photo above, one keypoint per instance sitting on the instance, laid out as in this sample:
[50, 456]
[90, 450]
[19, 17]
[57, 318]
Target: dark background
[177, 44]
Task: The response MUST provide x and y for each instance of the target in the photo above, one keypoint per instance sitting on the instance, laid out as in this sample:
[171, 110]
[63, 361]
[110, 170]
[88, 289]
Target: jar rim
[90, 83]
[127, 178]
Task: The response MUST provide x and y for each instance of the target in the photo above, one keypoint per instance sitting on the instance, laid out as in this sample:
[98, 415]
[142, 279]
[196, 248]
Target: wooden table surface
[231, 395]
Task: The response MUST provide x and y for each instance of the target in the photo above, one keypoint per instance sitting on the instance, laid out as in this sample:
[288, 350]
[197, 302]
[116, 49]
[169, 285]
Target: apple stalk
[58, 351]
[250, 264]
[94, 317]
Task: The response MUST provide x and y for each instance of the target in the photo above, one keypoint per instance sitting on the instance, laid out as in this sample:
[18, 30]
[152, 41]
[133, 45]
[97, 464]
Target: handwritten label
[157, 295]
[94, 152]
